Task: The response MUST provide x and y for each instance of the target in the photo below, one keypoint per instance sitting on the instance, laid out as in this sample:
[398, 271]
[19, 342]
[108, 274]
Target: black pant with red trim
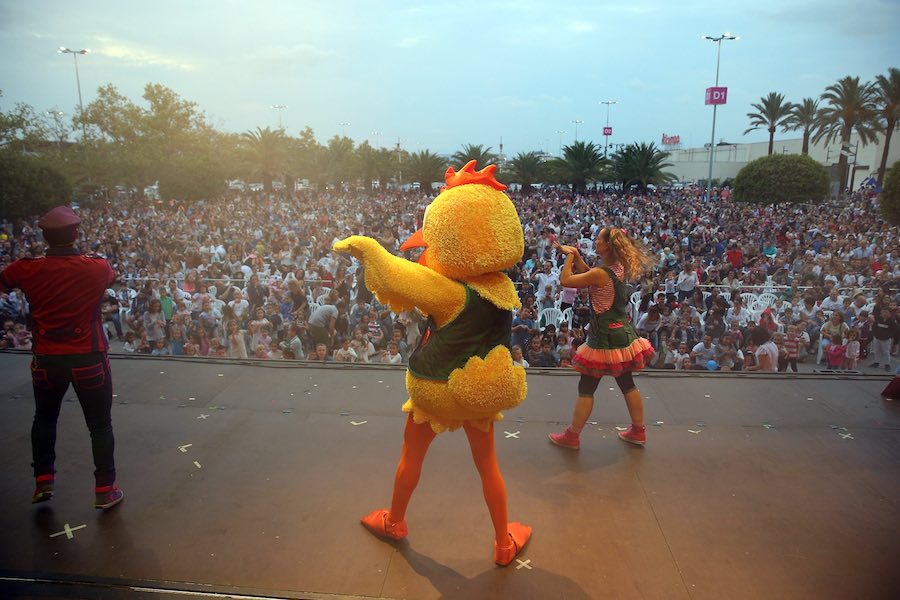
[90, 376]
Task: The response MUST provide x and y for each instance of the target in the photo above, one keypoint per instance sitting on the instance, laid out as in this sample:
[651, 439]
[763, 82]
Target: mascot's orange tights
[417, 439]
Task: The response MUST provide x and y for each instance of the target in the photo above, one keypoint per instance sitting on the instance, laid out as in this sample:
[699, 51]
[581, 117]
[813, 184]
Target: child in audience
[834, 353]
[851, 351]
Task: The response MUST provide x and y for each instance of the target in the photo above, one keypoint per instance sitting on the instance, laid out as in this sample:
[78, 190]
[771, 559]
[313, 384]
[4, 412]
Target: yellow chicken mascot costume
[461, 374]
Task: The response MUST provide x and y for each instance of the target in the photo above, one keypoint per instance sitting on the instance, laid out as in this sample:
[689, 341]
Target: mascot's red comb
[468, 174]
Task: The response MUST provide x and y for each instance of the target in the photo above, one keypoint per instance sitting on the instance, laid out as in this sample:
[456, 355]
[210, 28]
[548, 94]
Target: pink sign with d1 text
[716, 95]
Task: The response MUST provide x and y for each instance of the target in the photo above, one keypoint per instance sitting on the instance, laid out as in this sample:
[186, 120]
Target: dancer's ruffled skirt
[597, 362]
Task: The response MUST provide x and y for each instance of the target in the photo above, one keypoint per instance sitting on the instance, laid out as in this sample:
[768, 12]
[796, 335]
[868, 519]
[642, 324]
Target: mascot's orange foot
[518, 536]
[377, 522]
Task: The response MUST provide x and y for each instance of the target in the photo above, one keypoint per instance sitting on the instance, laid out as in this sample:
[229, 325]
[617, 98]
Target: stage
[249, 480]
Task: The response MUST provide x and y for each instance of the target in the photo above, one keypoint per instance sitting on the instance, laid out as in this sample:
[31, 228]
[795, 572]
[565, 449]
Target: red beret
[60, 226]
[59, 218]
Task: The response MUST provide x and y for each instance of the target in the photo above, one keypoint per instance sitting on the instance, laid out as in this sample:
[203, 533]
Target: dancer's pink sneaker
[634, 435]
[567, 439]
[377, 522]
[518, 536]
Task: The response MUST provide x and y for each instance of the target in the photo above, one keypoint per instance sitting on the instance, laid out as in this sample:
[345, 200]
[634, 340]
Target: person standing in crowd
[613, 347]
[322, 323]
[884, 329]
[65, 290]
[764, 349]
[687, 281]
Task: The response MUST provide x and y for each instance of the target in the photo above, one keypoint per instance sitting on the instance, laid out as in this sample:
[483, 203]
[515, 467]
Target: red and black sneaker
[43, 489]
[107, 496]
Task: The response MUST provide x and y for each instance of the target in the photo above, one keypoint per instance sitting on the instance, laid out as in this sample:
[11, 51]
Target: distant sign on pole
[716, 95]
[607, 131]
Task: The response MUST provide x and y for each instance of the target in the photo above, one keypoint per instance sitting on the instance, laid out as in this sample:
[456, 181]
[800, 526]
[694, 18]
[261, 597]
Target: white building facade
[692, 164]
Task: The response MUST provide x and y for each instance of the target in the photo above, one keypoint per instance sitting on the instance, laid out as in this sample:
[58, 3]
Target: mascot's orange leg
[392, 523]
[416, 440]
[510, 537]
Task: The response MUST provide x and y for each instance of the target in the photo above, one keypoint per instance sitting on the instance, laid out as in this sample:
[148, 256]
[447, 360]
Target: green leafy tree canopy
[795, 178]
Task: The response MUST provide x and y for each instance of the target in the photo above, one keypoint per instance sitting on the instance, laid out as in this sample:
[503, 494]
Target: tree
[890, 196]
[525, 169]
[851, 107]
[887, 96]
[426, 168]
[29, 186]
[22, 128]
[772, 112]
[642, 164]
[265, 151]
[338, 160]
[804, 117]
[580, 163]
[481, 155]
[779, 178]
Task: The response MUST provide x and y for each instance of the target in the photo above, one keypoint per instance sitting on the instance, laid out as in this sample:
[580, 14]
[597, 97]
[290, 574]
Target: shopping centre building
[692, 164]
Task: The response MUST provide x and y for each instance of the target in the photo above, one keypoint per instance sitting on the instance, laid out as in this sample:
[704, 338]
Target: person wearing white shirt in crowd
[240, 305]
[737, 313]
[677, 357]
[765, 350]
[834, 301]
[687, 281]
[703, 352]
[547, 277]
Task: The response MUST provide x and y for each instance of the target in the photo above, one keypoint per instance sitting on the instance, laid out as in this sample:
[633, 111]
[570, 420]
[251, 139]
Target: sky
[437, 75]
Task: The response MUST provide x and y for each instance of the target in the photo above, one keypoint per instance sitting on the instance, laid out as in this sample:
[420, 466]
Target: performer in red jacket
[64, 290]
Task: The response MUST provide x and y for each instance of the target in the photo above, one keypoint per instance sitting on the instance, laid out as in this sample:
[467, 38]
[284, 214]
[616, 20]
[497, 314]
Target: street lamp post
[576, 121]
[606, 129]
[377, 135]
[75, 53]
[712, 141]
[57, 122]
[343, 125]
[279, 108]
[561, 132]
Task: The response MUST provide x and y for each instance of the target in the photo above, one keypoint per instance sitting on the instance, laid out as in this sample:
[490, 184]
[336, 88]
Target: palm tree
[425, 167]
[338, 160]
[773, 112]
[481, 155]
[266, 152]
[642, 164]
[804, 116]
[526, 168]
[851, 107]
[887, 90]
[581, 162]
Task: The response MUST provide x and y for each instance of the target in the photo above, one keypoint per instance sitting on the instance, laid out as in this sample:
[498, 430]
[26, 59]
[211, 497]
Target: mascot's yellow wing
[402, 284]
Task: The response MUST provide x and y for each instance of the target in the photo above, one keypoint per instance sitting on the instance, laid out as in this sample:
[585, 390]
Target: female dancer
[613, 347]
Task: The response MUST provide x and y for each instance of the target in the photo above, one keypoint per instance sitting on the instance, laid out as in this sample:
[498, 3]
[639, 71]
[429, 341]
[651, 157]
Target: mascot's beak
[416, 240]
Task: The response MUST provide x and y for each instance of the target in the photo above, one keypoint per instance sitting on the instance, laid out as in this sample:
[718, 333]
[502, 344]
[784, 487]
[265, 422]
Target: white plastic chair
[549, 316]
[766, 299]
[568, 316]
[635, 302]
[322, 299]
[748, 298]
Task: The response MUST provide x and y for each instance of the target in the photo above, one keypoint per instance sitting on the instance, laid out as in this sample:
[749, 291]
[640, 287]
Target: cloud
[137, 55]
[409, 42]
[580, 26]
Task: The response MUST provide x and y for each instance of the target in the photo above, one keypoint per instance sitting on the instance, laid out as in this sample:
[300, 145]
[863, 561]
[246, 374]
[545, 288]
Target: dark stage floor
[249, 481]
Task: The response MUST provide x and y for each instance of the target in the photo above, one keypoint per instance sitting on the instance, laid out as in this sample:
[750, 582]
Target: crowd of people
[254, 276]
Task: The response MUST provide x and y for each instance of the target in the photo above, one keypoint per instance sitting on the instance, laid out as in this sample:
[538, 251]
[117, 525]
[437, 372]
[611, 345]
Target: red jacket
[64, 292]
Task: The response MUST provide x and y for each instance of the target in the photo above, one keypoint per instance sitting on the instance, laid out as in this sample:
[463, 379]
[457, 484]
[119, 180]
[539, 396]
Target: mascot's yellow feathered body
[471, 233]
[461, 373]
